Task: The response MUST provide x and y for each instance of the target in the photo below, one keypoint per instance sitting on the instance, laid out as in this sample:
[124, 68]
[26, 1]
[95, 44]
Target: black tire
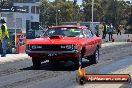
[95, 57]
[36, 63]
[53, 61]
[78, 61]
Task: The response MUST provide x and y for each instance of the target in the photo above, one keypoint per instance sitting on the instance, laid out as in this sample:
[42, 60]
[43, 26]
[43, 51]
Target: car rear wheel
[95, 57]
[36, 63]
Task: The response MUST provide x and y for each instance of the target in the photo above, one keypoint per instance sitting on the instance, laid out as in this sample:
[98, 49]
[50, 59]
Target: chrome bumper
[49, 52]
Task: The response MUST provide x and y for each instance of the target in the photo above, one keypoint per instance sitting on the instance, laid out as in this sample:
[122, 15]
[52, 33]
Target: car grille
[50, 47]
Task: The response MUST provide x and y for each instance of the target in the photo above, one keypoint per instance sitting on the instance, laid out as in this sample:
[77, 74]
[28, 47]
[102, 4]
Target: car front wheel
[36, 63]
[95, 57]
[78, 61]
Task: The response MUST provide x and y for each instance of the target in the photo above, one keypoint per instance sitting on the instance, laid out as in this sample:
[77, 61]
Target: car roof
[68, 26]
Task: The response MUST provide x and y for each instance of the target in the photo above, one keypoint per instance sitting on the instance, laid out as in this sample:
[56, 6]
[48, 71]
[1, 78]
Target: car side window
[89, 33]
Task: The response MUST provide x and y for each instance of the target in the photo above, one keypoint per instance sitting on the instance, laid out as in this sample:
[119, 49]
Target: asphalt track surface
[20, 74]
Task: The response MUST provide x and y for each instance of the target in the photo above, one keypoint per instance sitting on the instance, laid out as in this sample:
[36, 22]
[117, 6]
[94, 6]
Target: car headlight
[66, 46]
[69, 47]
[34, 47]
[62, 46]
[39, 47]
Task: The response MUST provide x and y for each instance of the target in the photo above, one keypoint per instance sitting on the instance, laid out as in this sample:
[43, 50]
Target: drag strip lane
[24, 76]
[68, 80]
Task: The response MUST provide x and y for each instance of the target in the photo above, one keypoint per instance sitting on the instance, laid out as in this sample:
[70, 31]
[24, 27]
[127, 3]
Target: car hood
[55, 40]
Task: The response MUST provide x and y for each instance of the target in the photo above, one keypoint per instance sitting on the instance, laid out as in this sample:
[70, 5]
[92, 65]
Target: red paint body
[89, 44]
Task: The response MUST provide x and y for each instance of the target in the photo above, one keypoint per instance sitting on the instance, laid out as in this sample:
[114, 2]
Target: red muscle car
[62, 43]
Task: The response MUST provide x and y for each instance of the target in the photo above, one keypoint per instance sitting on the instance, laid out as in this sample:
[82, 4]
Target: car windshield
[70, 32]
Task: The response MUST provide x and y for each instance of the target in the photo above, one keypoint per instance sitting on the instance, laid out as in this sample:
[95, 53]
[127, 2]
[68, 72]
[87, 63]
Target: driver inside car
[74, 32]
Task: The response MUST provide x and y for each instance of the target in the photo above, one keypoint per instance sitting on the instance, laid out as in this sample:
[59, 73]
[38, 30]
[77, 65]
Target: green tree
[57, 11]
[98, 10]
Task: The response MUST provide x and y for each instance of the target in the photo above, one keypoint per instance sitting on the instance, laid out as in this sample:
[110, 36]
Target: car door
[90, 42]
